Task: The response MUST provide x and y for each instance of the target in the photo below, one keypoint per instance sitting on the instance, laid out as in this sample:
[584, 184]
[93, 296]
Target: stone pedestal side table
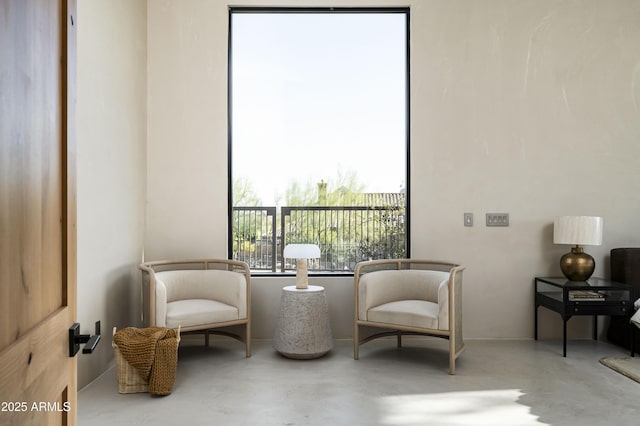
[303, 330]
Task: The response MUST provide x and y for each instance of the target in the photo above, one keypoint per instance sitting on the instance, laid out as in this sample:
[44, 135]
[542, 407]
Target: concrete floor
[504, 382]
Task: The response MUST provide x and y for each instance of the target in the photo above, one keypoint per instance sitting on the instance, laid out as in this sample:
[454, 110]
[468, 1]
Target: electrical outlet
[497, 219]
[468, 219]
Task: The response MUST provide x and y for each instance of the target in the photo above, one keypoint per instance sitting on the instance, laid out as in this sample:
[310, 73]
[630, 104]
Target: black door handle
[75, 339]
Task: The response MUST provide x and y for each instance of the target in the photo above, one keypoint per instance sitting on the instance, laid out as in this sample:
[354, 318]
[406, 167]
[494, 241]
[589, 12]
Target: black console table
[594, 297]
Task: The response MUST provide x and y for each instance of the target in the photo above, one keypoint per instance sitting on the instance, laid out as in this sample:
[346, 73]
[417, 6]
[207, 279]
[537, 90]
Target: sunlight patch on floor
[490, 407]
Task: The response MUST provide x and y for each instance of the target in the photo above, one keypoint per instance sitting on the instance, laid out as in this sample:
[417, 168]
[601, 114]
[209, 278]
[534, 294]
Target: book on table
[586, 295]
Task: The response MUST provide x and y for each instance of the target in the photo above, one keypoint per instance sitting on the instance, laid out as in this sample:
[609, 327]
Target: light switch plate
[468, 219]
[497, 219]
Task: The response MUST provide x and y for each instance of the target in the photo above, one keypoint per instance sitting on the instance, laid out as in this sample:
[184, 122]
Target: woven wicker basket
[129, 381]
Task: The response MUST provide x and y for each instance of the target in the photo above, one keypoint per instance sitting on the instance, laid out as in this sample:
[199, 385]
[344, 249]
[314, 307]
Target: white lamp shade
[301, 251]
[578, 230]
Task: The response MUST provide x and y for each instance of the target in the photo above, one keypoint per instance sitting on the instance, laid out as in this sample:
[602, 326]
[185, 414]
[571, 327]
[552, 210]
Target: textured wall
[111, 136]
[528, 107]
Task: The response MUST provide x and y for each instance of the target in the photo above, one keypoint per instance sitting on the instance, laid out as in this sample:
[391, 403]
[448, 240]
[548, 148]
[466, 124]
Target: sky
[313, 94]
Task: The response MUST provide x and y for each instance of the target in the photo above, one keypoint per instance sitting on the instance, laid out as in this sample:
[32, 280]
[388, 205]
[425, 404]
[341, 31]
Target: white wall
[526, 107]
[529, 107]
[187, 130]
[111, 137]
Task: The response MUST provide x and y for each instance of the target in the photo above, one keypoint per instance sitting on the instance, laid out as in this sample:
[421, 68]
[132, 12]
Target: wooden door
[38, 379]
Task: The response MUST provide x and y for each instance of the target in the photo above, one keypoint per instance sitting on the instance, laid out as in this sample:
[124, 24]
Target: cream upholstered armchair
[200, 296]
[409, 296]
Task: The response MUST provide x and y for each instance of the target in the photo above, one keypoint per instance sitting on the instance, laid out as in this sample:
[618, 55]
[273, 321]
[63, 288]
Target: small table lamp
[301, 252]
[577, 230]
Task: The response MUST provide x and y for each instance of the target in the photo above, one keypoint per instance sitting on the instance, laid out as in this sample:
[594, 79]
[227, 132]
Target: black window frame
[324, 10]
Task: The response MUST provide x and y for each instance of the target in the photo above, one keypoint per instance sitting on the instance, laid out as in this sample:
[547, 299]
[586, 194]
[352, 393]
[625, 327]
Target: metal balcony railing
[346, 235]
[255, 238]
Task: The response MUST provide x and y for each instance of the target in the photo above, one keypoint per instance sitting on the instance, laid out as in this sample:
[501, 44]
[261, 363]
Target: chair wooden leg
[356, 342]
[247, 337]
[452, 357]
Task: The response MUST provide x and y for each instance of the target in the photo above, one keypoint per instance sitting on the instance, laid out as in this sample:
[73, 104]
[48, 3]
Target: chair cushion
[382, 287]
[192, 312]
[412, 313]
[227, 287]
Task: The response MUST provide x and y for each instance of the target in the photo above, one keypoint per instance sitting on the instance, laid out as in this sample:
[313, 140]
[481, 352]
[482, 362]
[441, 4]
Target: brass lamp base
[577, 265]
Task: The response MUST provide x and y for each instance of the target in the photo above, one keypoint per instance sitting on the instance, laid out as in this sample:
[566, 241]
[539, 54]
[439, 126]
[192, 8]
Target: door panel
[31, 168]
[37, 211]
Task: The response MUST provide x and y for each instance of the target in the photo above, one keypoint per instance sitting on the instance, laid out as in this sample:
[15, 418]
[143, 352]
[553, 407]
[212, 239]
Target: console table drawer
[598, 309]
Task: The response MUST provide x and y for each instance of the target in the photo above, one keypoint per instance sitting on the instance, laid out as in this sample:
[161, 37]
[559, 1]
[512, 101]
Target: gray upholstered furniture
[409, 296]
[200, 296]
[625, 268]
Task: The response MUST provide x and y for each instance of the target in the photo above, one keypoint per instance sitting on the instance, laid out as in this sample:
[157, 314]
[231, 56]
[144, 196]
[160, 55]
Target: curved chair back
[410, 296]
[222, 281]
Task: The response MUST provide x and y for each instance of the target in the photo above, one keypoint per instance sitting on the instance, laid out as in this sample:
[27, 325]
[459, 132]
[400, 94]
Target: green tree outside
[348, 224]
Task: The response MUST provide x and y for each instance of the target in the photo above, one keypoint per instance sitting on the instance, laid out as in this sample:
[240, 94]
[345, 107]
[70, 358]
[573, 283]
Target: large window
[318, 135]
